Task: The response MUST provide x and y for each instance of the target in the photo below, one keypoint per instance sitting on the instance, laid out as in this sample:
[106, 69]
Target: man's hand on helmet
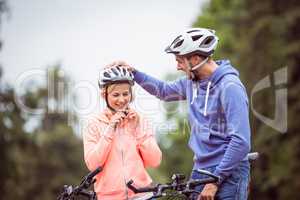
[122, 63]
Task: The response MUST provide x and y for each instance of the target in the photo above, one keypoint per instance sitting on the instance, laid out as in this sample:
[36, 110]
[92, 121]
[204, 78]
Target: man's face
[183, 64]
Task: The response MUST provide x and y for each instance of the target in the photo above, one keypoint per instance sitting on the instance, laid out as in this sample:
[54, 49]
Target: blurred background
[51, 53]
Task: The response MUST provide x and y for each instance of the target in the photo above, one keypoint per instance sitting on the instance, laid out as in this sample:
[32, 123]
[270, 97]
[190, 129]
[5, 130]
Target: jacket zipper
[123, 163]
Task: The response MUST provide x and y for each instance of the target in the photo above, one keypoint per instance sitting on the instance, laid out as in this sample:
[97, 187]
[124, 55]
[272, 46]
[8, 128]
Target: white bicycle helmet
[200, 41]
[115, 74]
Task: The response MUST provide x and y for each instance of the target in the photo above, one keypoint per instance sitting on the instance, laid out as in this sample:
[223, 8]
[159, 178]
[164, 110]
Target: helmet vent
[124, 71]
[178, 44]
[196, 37]
[114, 71]
[106, 75]
[192, 31]
[207, 41]
[176, 39]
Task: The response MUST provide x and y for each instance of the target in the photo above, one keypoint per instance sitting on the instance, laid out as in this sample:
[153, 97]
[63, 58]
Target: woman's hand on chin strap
[117, 118]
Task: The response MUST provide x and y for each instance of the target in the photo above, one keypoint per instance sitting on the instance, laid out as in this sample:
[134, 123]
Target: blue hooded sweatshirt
[218, 115]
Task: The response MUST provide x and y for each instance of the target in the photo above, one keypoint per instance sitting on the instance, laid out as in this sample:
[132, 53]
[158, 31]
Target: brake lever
[205, 172]
[189, 191]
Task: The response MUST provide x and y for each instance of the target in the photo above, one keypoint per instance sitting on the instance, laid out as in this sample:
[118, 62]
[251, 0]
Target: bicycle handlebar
[178, 185]
[87, 181]
[140, 190]
[93, 173]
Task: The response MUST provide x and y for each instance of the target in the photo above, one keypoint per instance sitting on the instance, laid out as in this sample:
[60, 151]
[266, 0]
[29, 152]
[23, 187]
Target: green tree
[36, 164]
[11, 135]
[177, 157]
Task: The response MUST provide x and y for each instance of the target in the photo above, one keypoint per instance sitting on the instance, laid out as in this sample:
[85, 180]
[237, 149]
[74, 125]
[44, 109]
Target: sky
[83, 36]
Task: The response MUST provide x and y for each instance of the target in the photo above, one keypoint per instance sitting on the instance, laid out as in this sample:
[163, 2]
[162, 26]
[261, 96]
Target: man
[217, 111]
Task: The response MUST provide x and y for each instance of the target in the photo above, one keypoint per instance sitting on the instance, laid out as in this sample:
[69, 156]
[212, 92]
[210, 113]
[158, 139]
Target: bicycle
[70, 192]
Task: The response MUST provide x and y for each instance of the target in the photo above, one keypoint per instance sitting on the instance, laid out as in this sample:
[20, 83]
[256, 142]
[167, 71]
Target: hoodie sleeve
[167, 91]
[234, 101]
[97, 142]
[147, 145]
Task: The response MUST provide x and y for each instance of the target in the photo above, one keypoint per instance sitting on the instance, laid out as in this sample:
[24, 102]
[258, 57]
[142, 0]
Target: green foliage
[177, 157]
[36, 165]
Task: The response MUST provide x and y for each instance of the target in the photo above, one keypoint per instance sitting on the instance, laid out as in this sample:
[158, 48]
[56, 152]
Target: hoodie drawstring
[206, 98]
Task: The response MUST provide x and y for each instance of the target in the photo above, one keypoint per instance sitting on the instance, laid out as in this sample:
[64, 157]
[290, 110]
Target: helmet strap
[190, 73]
[106, 100]
[199, 65]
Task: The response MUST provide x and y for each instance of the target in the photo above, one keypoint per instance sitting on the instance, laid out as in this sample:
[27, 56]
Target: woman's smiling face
[119, 96]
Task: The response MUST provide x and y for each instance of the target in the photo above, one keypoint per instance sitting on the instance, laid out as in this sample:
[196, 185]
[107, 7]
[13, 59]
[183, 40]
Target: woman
[119, 139]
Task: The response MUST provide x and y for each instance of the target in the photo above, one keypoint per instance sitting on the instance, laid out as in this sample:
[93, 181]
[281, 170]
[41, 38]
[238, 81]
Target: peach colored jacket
[123, 153]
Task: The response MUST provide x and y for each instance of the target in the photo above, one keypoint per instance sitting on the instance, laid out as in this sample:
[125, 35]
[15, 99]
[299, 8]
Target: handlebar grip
[130, 186]
[205, 172]
[139, 190]
[252, 156]
[197, 182]
[94, 173]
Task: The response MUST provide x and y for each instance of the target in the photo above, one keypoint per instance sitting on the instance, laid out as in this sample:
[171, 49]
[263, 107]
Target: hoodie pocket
[217, 134]
[217, 127]
[202, 136]
[205, 137]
